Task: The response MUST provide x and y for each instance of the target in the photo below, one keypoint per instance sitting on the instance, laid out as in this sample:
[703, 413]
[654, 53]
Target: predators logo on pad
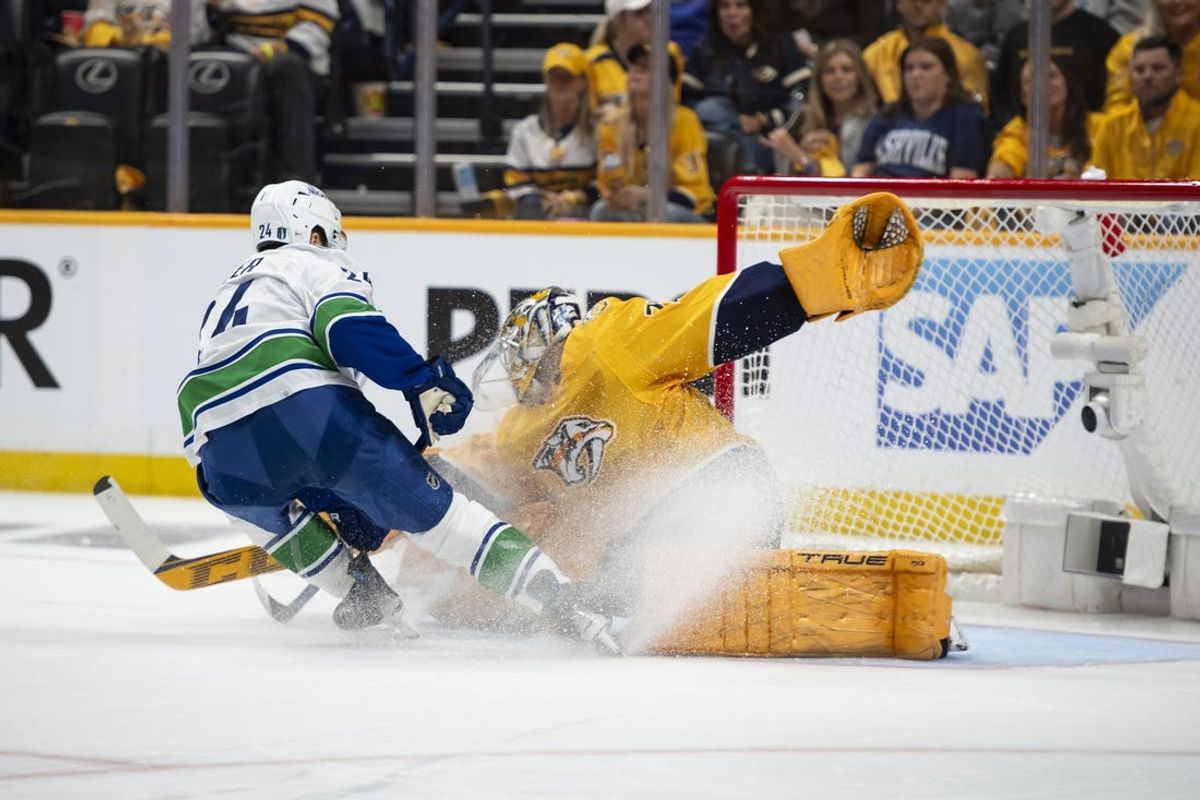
[575, 450]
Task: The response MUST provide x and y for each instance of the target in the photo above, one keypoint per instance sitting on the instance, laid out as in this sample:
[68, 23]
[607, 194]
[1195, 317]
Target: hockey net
[909, 427]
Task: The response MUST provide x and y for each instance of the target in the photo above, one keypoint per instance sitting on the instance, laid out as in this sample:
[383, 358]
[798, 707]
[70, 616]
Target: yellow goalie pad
[823, 603]
[867, 258]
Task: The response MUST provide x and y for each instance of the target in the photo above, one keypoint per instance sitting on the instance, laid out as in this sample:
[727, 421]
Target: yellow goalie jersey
[623, 425]
[624, 398]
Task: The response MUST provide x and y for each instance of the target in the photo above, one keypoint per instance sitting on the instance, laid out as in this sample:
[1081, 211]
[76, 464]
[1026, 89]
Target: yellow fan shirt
[621, 162]
[607, 75]
[1126, 150]
[1011, 146]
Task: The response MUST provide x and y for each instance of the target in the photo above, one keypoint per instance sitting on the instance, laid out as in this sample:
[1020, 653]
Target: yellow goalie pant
[823, 603]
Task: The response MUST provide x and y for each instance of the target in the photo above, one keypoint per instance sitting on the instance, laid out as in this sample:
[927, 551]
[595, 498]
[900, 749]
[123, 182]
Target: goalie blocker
[821, 603]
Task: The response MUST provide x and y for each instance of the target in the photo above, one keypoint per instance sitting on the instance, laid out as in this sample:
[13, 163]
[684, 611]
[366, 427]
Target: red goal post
[915, 423]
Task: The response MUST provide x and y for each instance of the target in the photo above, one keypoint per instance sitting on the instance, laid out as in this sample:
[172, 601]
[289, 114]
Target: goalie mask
[288, 212]
[536, 324]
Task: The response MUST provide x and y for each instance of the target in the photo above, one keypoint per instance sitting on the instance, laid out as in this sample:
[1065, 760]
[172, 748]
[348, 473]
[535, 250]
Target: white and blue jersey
[289, 319]
[273, 413]
[902, 146]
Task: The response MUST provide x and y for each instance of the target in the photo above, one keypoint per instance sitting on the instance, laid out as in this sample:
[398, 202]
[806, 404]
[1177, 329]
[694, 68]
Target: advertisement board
[99, 316]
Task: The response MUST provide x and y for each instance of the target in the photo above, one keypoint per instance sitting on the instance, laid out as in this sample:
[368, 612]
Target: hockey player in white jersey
[278, 429]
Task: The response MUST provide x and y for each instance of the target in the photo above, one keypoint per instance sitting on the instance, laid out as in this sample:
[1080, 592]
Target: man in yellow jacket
[920, 18]
[1157, 137]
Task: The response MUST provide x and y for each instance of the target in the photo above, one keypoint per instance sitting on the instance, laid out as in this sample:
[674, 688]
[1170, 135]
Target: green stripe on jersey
[263, 357]
[329, 310]
[500, 565]
[300, 550]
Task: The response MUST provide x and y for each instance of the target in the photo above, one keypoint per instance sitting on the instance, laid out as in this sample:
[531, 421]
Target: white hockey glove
[441, 404]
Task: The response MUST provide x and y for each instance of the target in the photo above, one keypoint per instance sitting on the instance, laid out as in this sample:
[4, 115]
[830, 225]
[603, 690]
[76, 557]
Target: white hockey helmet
[535, 324]
[287, 213]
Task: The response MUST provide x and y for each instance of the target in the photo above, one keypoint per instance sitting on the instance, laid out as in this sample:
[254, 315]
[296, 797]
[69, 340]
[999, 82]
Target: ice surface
[113, 686]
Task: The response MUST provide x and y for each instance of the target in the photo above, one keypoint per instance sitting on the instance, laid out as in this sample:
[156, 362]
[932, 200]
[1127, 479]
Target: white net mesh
[912, 424]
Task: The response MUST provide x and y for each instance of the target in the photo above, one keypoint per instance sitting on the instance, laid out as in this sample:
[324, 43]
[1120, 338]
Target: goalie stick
[179, 573]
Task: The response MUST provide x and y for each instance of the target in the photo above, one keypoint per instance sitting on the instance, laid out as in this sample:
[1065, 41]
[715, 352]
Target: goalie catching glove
[866, 259]
[440, 404]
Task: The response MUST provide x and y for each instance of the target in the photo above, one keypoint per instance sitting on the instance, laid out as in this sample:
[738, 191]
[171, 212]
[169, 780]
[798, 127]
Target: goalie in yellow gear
[615, 462]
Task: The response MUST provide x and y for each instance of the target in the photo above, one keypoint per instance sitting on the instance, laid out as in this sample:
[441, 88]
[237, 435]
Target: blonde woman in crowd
[1072, 128]
[621, 136]
[626, 23]
[1178, 20]
[550, 168]
[828, 131]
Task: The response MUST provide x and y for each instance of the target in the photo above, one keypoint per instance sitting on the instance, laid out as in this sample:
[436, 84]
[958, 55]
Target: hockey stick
[283, 612]
[178, 573]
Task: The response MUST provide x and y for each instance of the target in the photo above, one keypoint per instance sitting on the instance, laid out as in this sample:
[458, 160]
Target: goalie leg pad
[822, 603]
[867, 258]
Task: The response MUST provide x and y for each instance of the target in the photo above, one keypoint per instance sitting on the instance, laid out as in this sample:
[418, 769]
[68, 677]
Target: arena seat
[227, 130]
[95, 123]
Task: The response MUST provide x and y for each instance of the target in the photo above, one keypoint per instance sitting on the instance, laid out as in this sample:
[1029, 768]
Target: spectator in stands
[918, 19]
[551, 162]
[935, 129]
[983, 23]
[1072, 127]
[1080, 38]
[1178, 20]
[126, 23]
[743, 78]
[1123, 15]
[291, 39]
[815, 22]
[1158, 136]
[828, 132]
[621, 136]
[627, 23]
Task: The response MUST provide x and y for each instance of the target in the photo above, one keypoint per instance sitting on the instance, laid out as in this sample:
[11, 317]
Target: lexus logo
[208, 77]
[96, 75]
